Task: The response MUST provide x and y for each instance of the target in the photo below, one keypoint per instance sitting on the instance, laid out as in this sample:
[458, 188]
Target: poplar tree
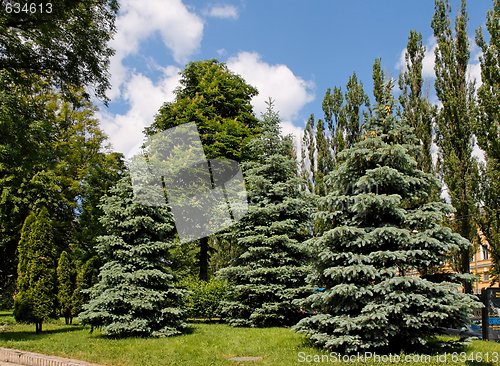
[416, 109]
[135, 295]
[487, 130]
[379, 257]
[455, 123]
[270, 272]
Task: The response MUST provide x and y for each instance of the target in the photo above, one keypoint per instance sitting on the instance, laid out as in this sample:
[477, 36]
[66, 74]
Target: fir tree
[35, 300]
[135, 295]
[65, 287]
[270, 273]
[385, 232]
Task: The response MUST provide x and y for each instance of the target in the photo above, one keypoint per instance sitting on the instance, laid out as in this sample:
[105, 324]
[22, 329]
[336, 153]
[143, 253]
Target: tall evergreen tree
[65, 287]
[270, 272]
[384, 230]
[455, 122]
[487, 130]
[218, 101]
[35, 300]
[135, 295]
[86, 277]
[416, 109]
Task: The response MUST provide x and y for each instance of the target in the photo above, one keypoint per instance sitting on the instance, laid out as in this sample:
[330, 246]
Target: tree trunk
[204, 257]
[38, 327]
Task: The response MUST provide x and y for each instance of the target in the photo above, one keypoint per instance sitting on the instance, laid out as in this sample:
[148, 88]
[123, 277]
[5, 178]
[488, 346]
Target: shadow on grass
[30, 336]
[205, 321]
[189, 330]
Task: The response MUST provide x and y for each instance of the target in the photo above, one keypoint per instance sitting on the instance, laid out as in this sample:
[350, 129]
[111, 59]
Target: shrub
[205, 297]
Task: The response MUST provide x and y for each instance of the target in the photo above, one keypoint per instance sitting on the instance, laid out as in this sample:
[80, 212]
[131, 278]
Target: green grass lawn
[208, 344]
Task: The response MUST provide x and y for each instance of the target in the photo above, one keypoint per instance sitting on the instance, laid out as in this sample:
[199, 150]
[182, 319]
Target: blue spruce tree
[270, 271]
[381, 258]
[135, 294]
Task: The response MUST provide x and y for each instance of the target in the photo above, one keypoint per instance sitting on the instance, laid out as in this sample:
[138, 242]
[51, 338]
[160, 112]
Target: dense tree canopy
[218, 101]
[488, 132]
[65, 41]
[53, 154]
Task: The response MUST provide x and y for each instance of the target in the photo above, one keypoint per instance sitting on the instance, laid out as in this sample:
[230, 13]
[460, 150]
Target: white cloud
[223, 11]
[289, 91]
[181, 32]
[144, 98]
[474, 68]
[474, 74]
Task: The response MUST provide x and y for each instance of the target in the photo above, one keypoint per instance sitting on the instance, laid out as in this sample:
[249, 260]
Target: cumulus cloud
[223, 11]
[180, 29]
[289, 92]
[144, 98]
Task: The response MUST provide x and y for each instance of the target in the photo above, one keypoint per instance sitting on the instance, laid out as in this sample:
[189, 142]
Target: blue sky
[290, 50]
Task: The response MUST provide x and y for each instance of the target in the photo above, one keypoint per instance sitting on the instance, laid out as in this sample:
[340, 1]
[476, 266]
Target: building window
[486, 276]
[484, 252]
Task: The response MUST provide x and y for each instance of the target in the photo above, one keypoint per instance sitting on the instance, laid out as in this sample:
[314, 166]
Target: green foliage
[65, 286]
[66, 41]
[487, 130]
[135, 295]
[218, 101]
[270, 271]
[205, 297]
[35, 299]
[380, 254]
[455, 122]
[53, 155]
[416, 110]
[344, 114]
[86, 277]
